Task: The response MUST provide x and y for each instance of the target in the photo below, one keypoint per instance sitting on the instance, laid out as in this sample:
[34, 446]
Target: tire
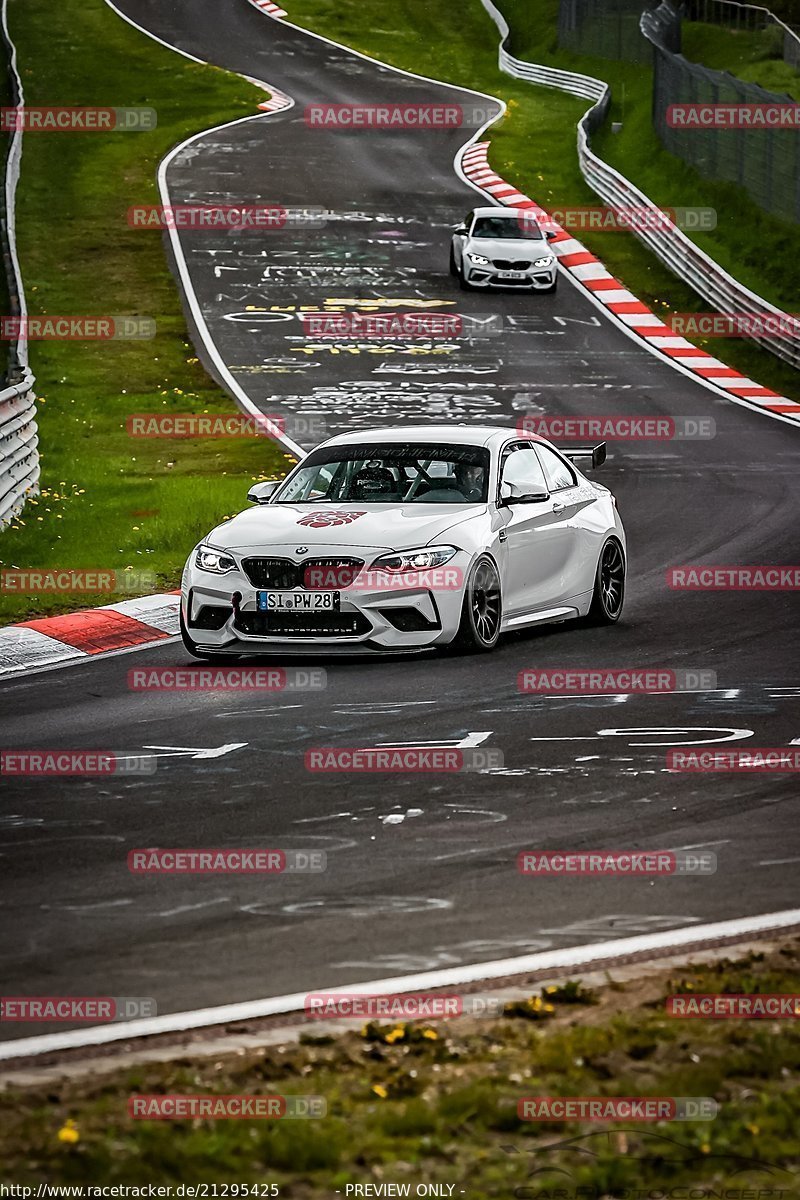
[453, 267]
[462, 282]
[195, 653]
[553, 288]
[608, 596]
[482, 610]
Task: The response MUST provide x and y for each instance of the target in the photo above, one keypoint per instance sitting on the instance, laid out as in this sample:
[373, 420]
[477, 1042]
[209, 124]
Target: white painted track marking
[573, 957]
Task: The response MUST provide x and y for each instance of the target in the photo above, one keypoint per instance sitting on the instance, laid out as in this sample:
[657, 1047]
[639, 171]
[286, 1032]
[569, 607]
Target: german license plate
[510, 274]
[297, 601]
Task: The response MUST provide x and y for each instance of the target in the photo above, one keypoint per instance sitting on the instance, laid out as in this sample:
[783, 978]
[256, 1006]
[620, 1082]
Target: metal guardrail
[669, 243]
[19, 442]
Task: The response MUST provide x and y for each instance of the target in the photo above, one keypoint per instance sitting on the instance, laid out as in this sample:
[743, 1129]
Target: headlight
[416, 560]
[209, 559]
[478, 258]
[543, 262]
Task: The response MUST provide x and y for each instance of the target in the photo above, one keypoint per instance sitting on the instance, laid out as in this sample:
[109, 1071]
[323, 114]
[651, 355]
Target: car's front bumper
[220, 615]
[536, 279]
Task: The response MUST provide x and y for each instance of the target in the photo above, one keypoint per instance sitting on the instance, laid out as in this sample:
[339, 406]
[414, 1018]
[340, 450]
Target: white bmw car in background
[503, 247]
[408, 539]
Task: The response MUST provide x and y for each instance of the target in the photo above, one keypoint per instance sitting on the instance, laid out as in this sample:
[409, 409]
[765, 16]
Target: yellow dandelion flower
[430, 1034]
[381, 1091]
[68, 1133]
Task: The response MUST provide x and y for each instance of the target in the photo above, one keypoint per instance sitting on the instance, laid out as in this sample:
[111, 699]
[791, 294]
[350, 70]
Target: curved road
[421, 869]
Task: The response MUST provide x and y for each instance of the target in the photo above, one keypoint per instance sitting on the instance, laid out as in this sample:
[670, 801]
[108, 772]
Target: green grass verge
[413, 1103]
[534, 148]
[109, 500]
[756, 57]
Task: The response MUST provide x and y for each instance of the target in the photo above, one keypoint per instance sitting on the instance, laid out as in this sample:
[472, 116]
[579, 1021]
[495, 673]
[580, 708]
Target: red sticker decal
[322, 520]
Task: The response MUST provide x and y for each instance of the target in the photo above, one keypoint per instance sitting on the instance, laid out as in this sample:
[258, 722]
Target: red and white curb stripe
[272, 10]
[52, 640]
[621, 304]
[277, 102]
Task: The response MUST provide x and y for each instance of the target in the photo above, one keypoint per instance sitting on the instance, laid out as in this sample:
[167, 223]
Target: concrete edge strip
[572, 958]
[620, 305]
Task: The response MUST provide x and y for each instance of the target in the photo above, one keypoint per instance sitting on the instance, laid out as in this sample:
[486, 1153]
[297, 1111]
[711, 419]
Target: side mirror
[550, 234]
[512, 493]
[260, 492]
[459, 228]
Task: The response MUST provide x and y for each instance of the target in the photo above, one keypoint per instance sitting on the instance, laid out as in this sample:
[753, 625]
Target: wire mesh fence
[761, 157]
[605, 28]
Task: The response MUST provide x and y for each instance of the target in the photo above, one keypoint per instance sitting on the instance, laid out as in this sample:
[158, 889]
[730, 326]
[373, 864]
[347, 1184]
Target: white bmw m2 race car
[503, 247]
[409, 539]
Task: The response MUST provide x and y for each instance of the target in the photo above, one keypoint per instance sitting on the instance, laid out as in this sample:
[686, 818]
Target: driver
[470, 480]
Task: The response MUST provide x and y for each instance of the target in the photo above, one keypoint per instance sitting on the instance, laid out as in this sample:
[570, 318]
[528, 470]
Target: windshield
[518, 228]
[392, 473]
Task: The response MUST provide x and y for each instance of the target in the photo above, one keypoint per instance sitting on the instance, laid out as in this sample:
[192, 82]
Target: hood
[510, 248]
[393, 526]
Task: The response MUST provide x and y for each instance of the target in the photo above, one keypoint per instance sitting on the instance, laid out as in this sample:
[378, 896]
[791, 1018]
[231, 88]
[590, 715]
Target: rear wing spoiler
[596, 453]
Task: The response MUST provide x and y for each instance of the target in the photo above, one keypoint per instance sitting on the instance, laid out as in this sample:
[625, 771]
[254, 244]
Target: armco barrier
[19, 453]
[668, 243]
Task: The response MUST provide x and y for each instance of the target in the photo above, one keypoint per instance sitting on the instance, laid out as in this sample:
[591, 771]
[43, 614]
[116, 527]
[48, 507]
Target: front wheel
[549, 290]
[609, 586]
[191, 646]
[482, 610]
[453, 265]
[463, 283]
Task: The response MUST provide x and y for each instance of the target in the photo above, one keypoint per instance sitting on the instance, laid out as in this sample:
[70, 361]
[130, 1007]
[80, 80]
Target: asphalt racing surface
[421, 869]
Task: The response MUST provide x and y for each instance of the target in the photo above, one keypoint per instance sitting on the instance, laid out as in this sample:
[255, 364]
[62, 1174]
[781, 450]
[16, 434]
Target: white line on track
[573, 957]
[238, 393]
